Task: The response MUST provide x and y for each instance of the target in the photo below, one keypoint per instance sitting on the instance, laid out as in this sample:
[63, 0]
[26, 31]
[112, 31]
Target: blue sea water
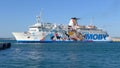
[61, 55]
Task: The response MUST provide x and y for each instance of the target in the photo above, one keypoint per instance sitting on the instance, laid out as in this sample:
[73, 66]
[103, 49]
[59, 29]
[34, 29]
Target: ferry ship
[49, 32]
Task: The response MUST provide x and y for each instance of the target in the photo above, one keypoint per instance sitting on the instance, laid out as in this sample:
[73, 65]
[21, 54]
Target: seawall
[116, 39]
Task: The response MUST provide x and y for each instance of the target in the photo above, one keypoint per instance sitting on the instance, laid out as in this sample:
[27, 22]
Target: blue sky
[17, 15]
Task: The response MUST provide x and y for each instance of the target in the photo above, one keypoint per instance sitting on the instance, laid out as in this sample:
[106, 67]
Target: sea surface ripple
[61, 55]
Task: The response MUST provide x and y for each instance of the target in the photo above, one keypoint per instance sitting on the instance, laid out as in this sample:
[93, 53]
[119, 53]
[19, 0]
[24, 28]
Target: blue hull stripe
[50, 41]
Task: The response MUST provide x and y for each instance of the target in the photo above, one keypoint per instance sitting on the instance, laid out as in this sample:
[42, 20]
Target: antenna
[42, 24]
[40, 13]
[91, 22]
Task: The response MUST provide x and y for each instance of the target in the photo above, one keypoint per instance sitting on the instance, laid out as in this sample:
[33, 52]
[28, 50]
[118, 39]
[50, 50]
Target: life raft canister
[70, 33]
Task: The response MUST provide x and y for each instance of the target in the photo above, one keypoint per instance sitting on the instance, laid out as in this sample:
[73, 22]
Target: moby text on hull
[73, 32]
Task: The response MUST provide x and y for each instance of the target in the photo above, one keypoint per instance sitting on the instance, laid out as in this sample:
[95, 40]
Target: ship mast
[38, 19]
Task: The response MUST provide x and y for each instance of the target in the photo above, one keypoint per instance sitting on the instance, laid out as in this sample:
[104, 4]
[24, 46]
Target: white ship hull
[39, 38]
[21, 36]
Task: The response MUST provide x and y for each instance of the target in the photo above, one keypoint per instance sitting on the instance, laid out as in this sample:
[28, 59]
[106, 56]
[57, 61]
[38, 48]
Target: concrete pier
[116, 39]
[5, 45]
